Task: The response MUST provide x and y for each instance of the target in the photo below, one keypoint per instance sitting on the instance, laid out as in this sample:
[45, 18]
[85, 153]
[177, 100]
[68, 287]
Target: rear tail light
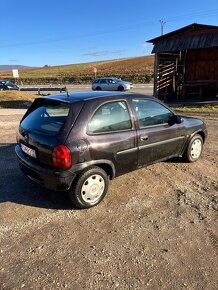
[61, 157]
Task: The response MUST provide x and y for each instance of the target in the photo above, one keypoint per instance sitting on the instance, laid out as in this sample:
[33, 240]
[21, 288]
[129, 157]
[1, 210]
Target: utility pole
[162, 23]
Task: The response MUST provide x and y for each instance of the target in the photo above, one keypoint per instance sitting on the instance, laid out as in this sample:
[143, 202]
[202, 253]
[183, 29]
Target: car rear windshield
[46, 117]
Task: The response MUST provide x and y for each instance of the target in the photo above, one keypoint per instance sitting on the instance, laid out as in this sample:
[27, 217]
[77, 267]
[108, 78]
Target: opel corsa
[77, 142]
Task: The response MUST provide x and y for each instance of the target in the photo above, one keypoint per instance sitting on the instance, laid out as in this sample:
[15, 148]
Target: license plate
[28, 151]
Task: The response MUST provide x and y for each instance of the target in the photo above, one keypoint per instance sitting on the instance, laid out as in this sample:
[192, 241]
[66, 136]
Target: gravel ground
[156, 228]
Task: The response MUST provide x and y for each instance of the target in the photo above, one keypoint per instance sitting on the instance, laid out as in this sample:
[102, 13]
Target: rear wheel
[194, 149]
[90, 188]
[121, 88]
[98, 89]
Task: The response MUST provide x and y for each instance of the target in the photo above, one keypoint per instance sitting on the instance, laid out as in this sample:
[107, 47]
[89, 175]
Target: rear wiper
[25, 132]
[40, 131]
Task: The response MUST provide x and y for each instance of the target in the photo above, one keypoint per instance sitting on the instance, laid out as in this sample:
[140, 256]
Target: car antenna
[67, 92]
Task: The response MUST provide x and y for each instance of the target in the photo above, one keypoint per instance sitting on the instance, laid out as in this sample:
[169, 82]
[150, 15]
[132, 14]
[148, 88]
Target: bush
[86, 79]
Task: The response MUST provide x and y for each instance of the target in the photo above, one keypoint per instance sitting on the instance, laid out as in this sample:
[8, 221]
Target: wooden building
[186, 63]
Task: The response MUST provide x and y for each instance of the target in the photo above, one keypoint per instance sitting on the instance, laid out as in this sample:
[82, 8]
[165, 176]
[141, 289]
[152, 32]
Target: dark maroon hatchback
[77, 142]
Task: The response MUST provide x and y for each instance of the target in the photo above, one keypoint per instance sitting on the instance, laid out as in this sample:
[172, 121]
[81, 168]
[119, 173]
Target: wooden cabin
[186, 63]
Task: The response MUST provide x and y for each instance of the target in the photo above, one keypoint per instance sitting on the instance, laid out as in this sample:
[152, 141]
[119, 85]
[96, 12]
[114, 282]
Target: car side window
[150, 113]
[110, 117]
[103, 81]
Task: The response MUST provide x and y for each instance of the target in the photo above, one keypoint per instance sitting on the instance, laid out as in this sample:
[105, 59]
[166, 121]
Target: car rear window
[46, 117]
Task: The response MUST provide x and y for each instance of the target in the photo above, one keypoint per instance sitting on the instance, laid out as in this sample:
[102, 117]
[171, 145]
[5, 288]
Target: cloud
[96, 53]
[104, 52]
[119, 51]
[144, 45]
[13, 60]
[89, 48]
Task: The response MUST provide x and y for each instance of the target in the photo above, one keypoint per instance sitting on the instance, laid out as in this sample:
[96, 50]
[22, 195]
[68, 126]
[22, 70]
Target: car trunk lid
[46, 125]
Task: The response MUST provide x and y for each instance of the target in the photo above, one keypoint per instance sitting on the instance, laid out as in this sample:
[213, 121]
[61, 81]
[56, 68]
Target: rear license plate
[28, 151]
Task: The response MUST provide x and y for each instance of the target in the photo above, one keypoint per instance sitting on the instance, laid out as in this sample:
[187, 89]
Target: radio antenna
[67, 92]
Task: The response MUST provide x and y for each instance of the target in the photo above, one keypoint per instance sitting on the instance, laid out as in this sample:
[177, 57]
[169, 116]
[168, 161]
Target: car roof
[103, 78]
[84, 96]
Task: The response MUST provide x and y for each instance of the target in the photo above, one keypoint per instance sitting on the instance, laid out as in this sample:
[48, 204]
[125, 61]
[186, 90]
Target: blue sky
[39, 33]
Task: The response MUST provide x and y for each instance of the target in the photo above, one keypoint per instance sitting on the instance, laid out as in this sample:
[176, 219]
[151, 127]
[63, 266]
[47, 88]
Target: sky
[51, 32]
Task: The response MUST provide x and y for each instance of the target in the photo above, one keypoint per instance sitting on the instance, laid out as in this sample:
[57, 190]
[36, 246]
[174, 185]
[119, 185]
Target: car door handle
[144, 138]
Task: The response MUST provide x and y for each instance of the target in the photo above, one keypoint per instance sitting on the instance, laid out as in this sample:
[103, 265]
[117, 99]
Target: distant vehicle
[111, 84]
[7, 85]
[76, 142]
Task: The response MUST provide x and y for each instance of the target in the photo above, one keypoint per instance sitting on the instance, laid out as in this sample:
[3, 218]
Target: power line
[118, 29]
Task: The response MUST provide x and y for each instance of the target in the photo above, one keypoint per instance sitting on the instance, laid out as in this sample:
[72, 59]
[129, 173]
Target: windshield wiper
[25, 132]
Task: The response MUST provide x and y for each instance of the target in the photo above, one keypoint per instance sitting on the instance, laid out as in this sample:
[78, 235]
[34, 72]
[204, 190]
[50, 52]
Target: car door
[112, 84]
[112, 136]
[158, 137]
[104, 85]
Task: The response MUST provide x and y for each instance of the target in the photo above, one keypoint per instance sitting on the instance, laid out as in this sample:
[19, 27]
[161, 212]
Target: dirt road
[156, 228]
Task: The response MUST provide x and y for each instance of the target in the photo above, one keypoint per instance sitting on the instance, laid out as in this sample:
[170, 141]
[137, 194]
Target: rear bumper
[51, 178]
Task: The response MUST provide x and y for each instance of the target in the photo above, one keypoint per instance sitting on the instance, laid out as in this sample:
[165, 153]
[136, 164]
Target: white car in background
[111, 84]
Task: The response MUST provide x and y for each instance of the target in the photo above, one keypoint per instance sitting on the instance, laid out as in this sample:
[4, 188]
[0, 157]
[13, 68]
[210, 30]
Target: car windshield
[117, 80]
[8, 83]
[46, 117]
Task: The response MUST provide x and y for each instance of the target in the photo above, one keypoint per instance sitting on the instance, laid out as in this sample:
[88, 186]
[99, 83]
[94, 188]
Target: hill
[10, 67]
[125, 68]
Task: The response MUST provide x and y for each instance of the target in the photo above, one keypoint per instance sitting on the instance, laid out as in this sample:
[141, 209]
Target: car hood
[192, 121]
[194, 124]
[126, 83]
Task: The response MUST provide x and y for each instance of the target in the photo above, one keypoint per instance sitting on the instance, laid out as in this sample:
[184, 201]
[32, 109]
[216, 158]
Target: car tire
[120, 88]
[194, 149]
[98, 89]
[90, 188]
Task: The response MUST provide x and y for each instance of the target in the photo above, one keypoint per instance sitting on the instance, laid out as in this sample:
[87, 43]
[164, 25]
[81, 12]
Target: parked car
[76, 142]
[111, 84]
[7, 85]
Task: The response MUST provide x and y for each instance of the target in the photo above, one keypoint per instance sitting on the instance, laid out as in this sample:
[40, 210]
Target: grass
[198, 109]
[15, 99]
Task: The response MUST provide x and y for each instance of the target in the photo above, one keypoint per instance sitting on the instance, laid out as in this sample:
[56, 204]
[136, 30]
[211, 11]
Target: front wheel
[90, 188]
[194, 149]
[120, 88]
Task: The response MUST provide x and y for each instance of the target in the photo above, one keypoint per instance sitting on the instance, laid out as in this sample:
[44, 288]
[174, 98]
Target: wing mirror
[177, 119]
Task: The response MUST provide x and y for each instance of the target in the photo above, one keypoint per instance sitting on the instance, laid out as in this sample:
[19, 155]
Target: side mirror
[178, 119]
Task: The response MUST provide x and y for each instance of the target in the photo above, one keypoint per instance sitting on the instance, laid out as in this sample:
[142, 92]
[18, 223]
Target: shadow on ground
[16, 188]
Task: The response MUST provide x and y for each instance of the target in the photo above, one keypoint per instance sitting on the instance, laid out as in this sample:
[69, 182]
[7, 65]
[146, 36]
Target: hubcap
[196, 148]
[93, 188]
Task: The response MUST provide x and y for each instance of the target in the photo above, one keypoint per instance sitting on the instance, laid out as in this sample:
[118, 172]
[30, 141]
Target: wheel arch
[121, 88]
[108, 169]
[199, 132]
[106, 165]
